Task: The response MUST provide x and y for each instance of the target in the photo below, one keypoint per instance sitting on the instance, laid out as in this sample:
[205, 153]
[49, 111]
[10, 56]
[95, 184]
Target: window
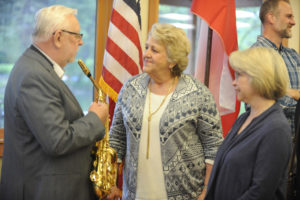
[248, 27]
[16, 25]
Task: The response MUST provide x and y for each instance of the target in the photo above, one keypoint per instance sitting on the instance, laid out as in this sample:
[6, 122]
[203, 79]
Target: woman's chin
[146, 69]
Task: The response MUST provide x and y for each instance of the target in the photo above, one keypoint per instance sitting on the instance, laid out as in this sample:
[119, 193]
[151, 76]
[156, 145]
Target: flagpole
[208, 57]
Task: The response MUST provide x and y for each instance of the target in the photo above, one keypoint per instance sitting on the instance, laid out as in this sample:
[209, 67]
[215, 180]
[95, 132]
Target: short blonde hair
[176, 43]
[268, 72]
[50, 19]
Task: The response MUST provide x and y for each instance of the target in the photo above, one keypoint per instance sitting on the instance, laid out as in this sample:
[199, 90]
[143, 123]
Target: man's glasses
[77, 35]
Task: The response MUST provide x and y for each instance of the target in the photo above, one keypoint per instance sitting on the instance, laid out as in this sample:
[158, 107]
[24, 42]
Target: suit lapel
[48, 65]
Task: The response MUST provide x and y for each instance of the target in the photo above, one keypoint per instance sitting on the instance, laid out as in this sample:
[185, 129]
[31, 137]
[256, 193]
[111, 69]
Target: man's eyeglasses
[77, 35]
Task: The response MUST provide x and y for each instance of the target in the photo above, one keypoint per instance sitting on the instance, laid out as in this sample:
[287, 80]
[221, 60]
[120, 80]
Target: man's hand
[101, 110]
[115, 194]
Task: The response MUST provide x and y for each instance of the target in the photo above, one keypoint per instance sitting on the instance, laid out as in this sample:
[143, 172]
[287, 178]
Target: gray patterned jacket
[190, 132]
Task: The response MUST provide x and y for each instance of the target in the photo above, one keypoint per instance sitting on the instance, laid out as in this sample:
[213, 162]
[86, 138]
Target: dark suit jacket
[47, 138]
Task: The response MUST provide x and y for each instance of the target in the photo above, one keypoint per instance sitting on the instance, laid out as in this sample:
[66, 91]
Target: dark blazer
[47, 139]
[253, 164]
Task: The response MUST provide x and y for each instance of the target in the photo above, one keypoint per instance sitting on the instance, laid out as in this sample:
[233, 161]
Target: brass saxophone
[104, 173]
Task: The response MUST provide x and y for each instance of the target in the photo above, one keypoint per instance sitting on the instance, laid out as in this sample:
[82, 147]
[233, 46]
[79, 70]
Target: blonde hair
[176, 43]
[268, 72]
[50, 19]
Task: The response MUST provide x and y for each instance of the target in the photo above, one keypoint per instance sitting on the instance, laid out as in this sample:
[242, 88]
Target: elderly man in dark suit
[48, 139]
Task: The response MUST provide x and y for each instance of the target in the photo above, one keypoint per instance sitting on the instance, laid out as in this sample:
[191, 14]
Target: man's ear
[270, 18]
[57, 38]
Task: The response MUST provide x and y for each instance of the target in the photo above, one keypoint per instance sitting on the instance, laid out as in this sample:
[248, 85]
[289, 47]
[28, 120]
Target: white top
[150, 178]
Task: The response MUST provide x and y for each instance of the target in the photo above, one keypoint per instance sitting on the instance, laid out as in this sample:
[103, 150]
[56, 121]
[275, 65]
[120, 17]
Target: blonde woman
[253, 160]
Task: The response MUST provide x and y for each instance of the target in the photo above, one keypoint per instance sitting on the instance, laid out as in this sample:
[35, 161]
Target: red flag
[220, 16]
[123, 53]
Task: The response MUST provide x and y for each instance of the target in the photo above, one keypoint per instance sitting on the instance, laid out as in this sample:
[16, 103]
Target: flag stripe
[123, 55]
[127, 63]
[127, 28]
[136, 8]
[117, 70]
[124, 42]
[128, 13]
[111, 79]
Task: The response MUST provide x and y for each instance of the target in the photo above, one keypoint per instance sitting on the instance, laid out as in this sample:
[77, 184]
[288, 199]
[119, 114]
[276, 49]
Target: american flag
[123, 53]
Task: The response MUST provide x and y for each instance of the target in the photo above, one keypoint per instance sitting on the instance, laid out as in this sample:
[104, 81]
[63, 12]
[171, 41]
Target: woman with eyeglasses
[252, 162]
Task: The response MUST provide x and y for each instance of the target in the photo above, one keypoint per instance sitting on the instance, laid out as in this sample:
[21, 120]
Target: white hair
[50, 19]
